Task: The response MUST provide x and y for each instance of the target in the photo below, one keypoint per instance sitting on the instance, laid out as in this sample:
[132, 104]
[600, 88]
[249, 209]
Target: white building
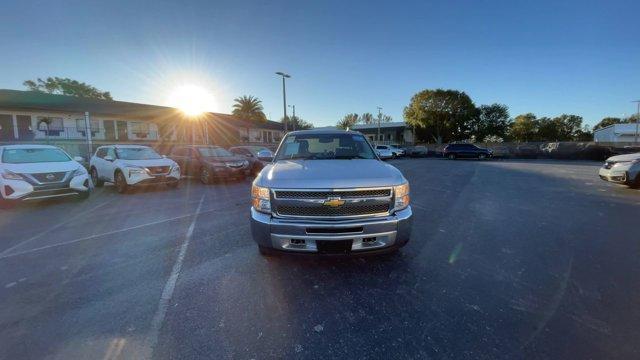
[617, 133]
[390, 132]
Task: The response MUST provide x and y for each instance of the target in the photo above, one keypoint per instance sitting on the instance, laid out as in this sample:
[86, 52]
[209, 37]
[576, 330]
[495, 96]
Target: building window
[139, 128]
[270, 137]
[54, 125]
[95, 125]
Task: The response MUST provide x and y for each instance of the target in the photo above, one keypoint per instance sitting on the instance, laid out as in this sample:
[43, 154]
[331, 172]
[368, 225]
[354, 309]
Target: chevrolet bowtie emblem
[333, 202]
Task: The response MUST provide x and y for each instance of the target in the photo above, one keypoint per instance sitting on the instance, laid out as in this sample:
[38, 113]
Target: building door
[25, 132]
[109, 130]
[123, 132]
[6, 127]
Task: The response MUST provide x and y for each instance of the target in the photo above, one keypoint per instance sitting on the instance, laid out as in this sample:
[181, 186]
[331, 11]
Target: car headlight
[260, 199]
[80, 171]
[10, 175]
[136, 171]
[175, 167]
[401, 193]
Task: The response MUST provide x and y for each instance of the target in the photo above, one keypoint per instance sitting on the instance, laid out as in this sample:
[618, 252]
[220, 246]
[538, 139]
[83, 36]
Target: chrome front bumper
[369, 234]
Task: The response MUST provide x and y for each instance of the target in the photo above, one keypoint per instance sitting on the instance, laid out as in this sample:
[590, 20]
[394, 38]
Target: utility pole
[284, 97]
[637, 120]
[295, 120]
[87, 126]
[379, 119]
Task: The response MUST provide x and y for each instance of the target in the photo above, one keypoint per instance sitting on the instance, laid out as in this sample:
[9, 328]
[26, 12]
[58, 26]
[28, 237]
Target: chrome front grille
[332, 203]
[345, 210]
[344, 194]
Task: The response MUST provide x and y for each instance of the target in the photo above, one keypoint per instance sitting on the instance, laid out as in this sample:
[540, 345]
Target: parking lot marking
[6, 251]
[169, 287]
[95, 236]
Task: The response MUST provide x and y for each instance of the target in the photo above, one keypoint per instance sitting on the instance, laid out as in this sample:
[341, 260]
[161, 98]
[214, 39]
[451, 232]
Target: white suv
[132, 165]
[32, 172]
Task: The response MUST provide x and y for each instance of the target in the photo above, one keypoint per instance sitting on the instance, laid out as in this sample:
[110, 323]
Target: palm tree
[366, 118]
[348, 121]
[250, 108]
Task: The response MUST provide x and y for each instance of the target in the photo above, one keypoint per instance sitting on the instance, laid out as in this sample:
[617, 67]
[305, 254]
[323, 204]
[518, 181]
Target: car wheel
[121, 183]
[451, 156]
[95, 179]
[482, 156]
[205, 176]
[635, 183]
[84, 195]
[393, 155]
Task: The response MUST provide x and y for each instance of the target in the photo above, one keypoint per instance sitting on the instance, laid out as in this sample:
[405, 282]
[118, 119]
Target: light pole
[293, 123]
[379, 118]
[284, 97]
[637, 120]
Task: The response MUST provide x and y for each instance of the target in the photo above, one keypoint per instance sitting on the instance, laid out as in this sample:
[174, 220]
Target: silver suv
[328, 192]
[622, 169]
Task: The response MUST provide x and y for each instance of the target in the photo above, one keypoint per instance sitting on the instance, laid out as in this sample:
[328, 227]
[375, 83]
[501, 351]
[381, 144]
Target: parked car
[622, 169]
[397, 150]
[455, 151]
[132, 165]
[327, 192]
[384, 152]
[527, 151]
[258, 156]
[210, 163]
[418, 151]
[33, 172]
[500, 151]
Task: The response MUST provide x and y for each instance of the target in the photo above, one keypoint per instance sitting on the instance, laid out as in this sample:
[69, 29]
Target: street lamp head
[283, 74]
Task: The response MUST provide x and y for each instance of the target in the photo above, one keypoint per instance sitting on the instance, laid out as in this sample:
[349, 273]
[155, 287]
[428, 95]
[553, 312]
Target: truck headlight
[401, 193]
[260, 199]
[176, 168]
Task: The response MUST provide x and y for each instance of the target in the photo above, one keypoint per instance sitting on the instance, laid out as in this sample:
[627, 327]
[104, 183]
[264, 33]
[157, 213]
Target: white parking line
[4, 252]
[169, 287]
[90, 237]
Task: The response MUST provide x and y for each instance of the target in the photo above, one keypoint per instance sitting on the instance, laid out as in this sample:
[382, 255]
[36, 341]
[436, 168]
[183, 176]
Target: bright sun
[191, 99]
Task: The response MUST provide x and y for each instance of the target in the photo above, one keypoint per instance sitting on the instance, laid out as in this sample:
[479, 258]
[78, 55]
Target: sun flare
[191, 99]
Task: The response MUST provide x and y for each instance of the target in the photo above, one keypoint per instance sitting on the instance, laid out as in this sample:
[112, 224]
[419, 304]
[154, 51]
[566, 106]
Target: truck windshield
[325, 146]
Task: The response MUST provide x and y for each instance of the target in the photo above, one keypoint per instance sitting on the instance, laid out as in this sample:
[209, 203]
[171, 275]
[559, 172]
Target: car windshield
[325, 146]
[33, 155]
[214, 152]
[137, 153]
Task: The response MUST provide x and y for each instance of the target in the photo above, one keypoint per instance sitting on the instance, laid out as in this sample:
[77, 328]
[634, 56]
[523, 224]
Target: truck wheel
[121, 182]
[95, 179]
[451, 156]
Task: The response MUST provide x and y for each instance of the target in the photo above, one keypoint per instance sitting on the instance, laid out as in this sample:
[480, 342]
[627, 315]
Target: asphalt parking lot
[509, 259]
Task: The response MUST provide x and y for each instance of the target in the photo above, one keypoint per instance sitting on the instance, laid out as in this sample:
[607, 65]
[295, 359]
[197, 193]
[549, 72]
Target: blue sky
[545, 57]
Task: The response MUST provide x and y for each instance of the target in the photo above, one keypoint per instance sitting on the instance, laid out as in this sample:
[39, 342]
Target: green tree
[524, 127]
[367, 118]
[568, 126]
[297, 123]
[607, 122]
[66, 86]
[250, 108]
[348, 121]
[491, 121]
[444, 113]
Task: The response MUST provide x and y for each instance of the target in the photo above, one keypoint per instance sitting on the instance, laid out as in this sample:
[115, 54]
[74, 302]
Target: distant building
[390, 132]
[616, 133]
[27, 116]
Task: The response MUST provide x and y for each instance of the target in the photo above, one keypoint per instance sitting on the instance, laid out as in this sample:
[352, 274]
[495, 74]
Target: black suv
[454, 151]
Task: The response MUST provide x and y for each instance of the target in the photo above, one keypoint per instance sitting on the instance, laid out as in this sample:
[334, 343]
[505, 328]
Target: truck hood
[145, 163]
[43, 167]
[329, 174]
[626, 157]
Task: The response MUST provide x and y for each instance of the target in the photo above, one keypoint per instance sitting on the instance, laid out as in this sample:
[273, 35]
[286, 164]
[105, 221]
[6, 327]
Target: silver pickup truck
[327, 192]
